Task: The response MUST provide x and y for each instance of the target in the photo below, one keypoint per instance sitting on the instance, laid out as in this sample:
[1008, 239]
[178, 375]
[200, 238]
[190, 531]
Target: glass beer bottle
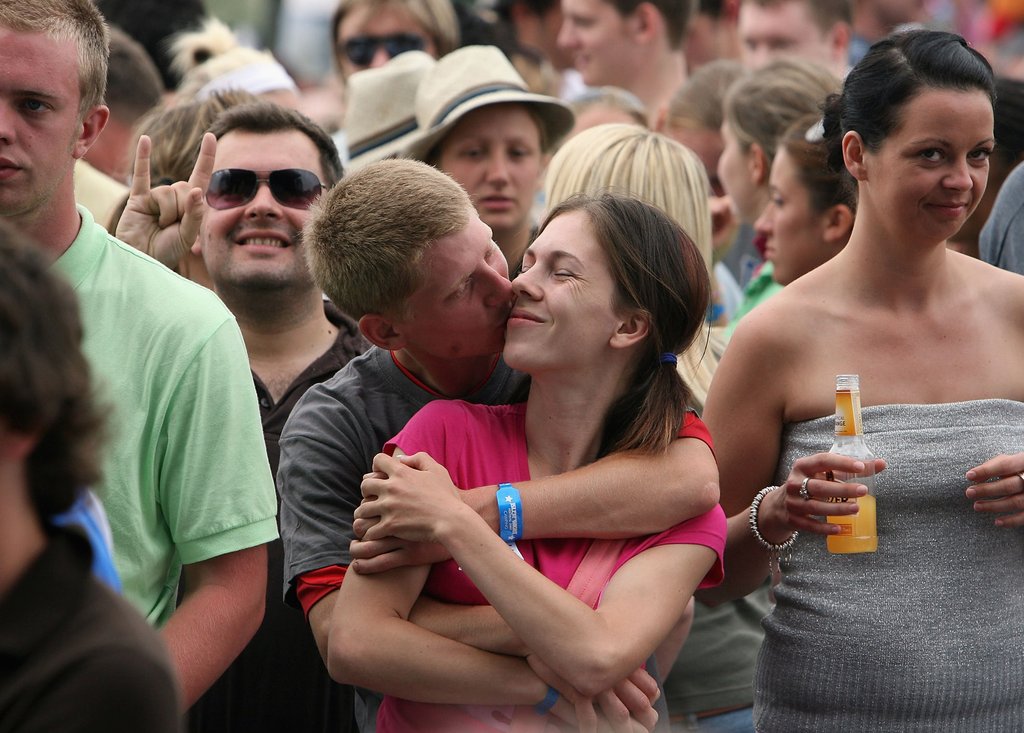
[857, 531]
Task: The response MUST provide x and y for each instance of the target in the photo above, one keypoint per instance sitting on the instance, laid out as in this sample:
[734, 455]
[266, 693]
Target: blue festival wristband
[510, 513]
[545, 705]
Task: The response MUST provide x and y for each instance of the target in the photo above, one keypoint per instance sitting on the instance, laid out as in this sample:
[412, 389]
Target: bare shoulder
[782, 321]
[1000, 290]
[762, 352]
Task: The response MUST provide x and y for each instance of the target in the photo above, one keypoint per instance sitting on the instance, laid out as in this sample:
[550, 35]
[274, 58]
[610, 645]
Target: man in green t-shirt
[186, 482]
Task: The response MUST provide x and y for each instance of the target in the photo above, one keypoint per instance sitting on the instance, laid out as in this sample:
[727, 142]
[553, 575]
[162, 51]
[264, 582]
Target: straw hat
[472, 77]
[380, 120]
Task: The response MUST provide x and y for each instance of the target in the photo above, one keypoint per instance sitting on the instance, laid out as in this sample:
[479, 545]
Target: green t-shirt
[185, 472]
[760, 288]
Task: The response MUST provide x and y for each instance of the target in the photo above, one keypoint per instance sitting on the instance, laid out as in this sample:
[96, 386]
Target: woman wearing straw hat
[483, 127]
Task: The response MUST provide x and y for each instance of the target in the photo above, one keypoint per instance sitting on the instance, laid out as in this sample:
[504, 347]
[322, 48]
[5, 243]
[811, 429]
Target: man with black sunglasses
[186, 483]
[270, 164]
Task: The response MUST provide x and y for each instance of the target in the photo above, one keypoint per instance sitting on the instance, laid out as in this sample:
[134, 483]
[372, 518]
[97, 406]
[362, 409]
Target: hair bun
[190, 49]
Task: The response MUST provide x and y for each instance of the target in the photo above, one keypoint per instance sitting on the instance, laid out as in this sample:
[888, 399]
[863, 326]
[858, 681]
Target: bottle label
[847, 412]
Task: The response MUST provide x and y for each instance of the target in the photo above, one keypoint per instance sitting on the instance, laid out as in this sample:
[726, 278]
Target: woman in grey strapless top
[926, 633]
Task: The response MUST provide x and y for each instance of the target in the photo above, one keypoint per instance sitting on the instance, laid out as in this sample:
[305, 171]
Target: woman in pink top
[610, 291]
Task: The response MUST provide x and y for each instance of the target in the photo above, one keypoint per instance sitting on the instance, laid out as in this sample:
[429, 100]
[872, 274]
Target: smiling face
[566, 308]
[41, 131]
[257, 246]
[459, 309]
[494, 152]
[794, 232]
[598, 38]
[929, 174]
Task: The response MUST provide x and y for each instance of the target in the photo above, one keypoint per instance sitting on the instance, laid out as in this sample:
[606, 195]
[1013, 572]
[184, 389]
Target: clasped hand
[391, 522]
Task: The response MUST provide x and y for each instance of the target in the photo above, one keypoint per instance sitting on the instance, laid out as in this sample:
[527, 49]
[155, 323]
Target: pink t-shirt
[482, 445]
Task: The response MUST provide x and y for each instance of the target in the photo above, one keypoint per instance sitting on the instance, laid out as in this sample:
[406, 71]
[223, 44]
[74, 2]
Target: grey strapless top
[927, 634]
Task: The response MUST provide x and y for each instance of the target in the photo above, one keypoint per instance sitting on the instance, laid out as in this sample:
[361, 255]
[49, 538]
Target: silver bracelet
[754, 506]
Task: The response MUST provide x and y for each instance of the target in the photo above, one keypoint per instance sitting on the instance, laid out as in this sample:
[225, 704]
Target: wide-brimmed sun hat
[472, 77]
[380, 114]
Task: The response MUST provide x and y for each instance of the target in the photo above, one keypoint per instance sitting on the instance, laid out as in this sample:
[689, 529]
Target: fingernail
[971, 475]
[971, 493]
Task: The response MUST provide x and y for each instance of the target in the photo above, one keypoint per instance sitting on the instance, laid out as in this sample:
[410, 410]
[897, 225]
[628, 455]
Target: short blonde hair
[366, 237]
[633, 161]
[68, 20]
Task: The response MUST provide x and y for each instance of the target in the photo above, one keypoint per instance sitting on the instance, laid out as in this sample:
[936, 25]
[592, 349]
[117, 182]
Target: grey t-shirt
[1002, 238]
[329, 442]
[327, 445]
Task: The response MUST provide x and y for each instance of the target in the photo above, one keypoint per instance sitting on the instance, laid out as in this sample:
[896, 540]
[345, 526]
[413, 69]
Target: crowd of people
[538, 307]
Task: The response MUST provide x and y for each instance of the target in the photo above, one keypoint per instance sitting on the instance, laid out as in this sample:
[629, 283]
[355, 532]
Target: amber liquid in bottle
[857, 531]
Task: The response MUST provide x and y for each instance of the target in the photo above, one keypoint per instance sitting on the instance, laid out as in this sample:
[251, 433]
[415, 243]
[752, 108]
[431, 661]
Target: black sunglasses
[360, 49]
[292, 187]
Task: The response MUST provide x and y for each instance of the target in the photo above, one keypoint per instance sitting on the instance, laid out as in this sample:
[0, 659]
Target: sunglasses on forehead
[361, 49]
[292, 187]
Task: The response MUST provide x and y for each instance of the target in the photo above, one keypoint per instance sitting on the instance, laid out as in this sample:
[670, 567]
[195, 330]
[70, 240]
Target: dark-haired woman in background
[925, 633]
[810, 208]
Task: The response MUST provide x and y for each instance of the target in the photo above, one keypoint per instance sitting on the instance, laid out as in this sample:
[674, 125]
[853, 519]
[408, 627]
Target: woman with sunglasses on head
[367, 33]
[611, 290]
[919, 634]
[484, 128]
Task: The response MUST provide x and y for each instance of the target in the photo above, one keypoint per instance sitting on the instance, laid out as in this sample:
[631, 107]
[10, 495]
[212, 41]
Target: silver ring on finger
[806, 496]
[1021, 475]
